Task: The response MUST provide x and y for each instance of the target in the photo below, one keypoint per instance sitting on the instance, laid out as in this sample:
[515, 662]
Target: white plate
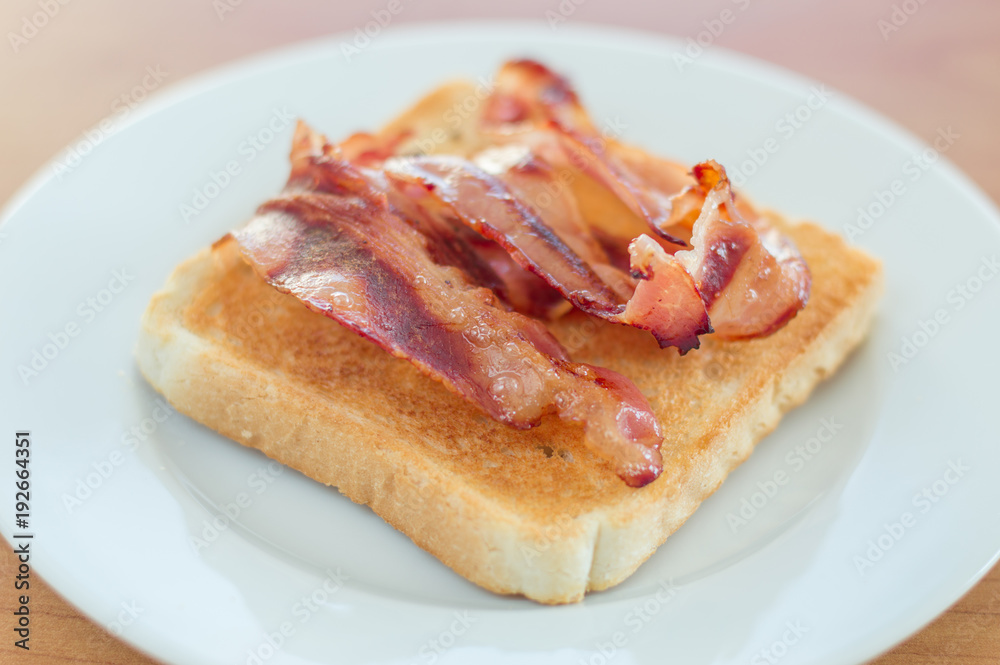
[784, 585]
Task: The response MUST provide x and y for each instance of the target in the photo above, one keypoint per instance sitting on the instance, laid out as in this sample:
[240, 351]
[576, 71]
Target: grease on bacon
[666, 302]
[751, 277]
[334, 241]
[451, 262]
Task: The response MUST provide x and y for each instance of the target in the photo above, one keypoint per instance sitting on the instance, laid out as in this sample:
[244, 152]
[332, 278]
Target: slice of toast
[519, 512]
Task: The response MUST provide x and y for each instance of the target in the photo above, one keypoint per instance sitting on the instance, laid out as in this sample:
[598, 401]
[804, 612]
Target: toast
[532, 512]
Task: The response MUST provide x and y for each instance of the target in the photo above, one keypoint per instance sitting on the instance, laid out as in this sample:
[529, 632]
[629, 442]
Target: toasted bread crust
[518, 512]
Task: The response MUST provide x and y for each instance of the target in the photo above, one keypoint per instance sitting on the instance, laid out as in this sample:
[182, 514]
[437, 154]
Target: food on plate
[533, 349]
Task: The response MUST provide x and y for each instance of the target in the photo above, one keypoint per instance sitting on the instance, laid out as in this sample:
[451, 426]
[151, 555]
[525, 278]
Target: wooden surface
[940, 68]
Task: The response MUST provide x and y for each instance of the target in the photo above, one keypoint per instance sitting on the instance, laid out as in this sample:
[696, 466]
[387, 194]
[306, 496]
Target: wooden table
[939, 65]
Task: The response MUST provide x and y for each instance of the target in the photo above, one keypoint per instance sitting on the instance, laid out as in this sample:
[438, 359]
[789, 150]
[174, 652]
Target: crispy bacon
[545, 189]
[551, 120]
[486, 263]
[334, 241]
[488, 206]
[752, 278]
[660, 175]
[666, 302]
[437, 259]
[367, 149]
[526, 91]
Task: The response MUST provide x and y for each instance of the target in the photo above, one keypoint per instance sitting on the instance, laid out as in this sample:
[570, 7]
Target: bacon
[660, 175]
[367, 149]
[544, 188]
[484, 261]
[665, 301]
[334, 241]
[523, 291]
[752, 278]
[527, 91]
[489, 207]
[550, 119]
[437, 259]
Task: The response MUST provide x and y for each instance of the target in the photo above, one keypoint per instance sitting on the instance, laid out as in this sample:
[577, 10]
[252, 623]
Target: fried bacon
[444, 260]
[522, 210]
[486, 263]
[528, 92]
[532, 105]
[488, 206]
[367, 149]
[752, 278]
[543, 187]
[334, 241]
[667, 304]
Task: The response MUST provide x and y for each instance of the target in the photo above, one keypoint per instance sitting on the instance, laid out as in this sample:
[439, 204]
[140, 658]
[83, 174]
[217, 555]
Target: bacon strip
[484, 261]
[486, 205]
[546, 190]
[567, 149]
[367, 149]
[528, 92]
[333, 241]
[533, 105]
[750, 276]
[666, 302]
